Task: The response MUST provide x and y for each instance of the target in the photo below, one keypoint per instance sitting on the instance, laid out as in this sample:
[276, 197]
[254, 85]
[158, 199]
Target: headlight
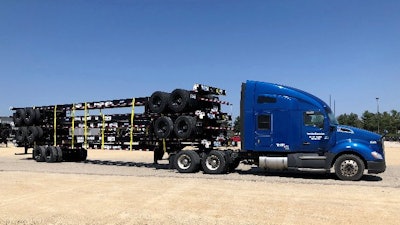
[376, 155]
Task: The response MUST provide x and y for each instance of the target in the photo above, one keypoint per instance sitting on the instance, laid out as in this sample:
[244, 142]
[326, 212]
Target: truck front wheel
[187, 161]
[349, 167]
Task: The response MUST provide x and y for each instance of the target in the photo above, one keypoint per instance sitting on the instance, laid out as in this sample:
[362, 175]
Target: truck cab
[287, 128]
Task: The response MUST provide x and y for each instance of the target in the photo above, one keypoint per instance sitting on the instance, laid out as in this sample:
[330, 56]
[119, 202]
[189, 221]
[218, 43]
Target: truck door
[314, 137]
[263, 131]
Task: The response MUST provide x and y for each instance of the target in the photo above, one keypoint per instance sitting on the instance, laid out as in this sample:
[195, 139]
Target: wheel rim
[184, 161]
[349, 168]
[156, 102]
[182, 127]
[213, 162]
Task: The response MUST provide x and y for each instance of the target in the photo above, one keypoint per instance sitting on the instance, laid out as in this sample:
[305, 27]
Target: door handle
[306, 143]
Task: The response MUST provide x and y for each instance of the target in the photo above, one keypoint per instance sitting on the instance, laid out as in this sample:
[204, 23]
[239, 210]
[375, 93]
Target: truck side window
[314, 119]
[264, 122]
[266, 99]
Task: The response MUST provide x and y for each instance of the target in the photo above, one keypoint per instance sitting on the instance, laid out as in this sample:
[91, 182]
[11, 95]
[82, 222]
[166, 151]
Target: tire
[39, 154]
[21, 134]
[349, 167]
[214, 162]
[38, 116]
[187, 162]
[32, 135]
[18, 117]
[179, 100]
[51, 154]
[30, 116]
[40, 132]
[184, 127]
[158, 101]
[82, 155]
[163, 127]
[59, 154]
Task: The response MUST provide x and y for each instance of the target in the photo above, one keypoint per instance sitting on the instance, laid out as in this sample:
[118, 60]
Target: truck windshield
[332, 118]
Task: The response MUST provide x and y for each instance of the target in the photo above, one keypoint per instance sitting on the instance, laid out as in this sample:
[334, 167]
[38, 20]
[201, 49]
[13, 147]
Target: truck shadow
[303, 175]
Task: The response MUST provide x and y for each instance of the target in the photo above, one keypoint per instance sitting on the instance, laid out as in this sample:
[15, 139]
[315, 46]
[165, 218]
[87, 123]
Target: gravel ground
[123, 187]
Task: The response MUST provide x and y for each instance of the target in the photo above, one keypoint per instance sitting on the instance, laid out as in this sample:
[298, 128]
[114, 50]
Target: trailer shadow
[303, 175]
[127, 164]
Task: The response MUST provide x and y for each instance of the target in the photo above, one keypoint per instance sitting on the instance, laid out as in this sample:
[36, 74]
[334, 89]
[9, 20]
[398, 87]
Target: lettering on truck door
[314, 137]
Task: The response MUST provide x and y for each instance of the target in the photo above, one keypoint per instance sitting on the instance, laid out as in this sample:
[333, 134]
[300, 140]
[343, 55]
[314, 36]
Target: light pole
[377, 111]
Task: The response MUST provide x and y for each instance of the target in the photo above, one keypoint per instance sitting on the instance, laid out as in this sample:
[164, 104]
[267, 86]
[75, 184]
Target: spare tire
[184, 127]
[32, 134]
[18, 117]
[158, 101]
[30, 116]
[21, 134]
[180, 101]
[163, 127]
[38, 116]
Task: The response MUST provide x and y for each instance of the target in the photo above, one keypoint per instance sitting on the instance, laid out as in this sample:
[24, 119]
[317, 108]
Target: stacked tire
[26, 120]
[178, 101]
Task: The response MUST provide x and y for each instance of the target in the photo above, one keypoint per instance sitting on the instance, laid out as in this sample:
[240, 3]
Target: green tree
[236, 125]
[350, 120]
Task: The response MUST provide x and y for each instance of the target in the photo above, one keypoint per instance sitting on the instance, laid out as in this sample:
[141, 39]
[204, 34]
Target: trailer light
[376, 155]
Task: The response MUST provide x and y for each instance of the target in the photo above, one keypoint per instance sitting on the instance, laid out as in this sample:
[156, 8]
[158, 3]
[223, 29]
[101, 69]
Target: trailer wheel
[163, 127]
[39, 154]
[82, 155]
[187, 161]
[59, 154]
[21, 134]
[18, 117]
[30, 116]
[349, 167]
[40, 132]
[158, 101]
[51, 154]
[184, 126]
[214, 162]
[179, 100]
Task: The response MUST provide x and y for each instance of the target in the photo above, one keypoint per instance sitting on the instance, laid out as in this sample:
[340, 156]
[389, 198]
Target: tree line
[375, 122]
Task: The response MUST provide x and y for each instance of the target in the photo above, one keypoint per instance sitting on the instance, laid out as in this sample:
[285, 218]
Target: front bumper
[376, 166]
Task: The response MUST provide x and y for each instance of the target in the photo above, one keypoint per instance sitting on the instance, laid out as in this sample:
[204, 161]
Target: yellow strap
[85, 129]
[73, 126]
[164, 145]
[55, 125]
[132, 126]
[103, 128]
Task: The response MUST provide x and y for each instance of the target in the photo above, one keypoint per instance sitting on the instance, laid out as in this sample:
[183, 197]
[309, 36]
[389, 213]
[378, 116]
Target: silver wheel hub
[349, 168]
[184, 162]
[212, 162]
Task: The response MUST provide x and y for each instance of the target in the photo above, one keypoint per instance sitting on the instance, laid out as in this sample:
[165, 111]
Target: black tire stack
[174, 107]
[27, 120]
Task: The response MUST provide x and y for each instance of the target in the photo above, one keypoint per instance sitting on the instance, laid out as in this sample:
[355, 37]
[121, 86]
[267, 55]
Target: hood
[348, 132]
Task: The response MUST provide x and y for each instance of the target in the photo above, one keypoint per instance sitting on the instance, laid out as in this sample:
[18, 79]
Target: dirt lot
[123, 192]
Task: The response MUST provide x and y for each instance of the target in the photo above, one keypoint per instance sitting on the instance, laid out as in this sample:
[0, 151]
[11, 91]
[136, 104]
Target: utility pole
[377, 111]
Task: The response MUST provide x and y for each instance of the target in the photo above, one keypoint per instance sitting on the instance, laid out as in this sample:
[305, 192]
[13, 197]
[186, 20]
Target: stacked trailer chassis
[168, 123]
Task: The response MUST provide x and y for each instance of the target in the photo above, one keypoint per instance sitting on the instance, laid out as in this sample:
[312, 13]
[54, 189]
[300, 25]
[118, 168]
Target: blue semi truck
[282, 128]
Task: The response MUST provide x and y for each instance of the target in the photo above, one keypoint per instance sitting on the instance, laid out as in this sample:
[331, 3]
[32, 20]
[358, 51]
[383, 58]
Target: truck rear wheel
[187, 161]
[214, 162]
[349, 167]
